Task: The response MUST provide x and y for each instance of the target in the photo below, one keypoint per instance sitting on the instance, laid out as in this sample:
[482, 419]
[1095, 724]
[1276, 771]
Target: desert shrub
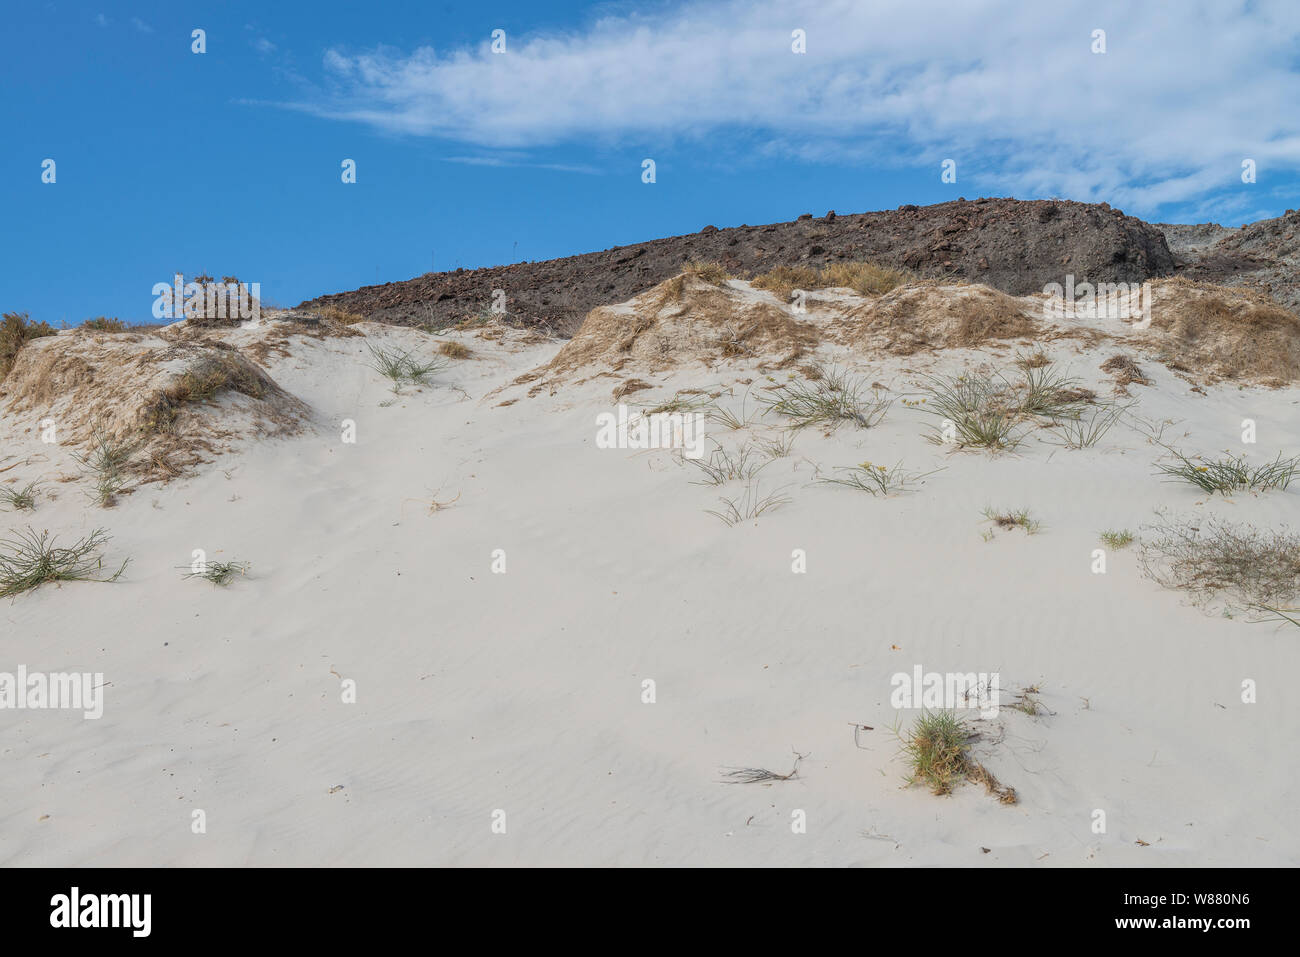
[1212, 559]
[101, 324]
[17, 329]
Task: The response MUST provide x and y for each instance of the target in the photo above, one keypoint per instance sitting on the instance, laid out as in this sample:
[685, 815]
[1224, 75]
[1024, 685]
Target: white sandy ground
[522, 691]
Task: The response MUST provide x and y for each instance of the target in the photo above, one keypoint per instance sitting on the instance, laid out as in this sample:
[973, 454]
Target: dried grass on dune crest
[162, 398]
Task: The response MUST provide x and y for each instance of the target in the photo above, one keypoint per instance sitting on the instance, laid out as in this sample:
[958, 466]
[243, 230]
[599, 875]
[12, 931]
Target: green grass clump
[31, 559]
[747, 506]
[400, 366]
[1087, 428]
[875, 479]
[20, 498]
[220, 573]
[986, 411]
[981, 410]
[1008, 519]
[1233, 473]
[828, 397]
[106, 461]
[938, 748]
[1117, 540]
[722, 466]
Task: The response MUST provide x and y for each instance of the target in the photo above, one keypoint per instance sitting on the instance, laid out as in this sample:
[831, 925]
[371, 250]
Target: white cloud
[1009, 89]
[141, 25]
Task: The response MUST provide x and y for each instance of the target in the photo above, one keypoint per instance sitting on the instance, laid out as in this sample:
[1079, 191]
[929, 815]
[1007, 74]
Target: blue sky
[229, 161]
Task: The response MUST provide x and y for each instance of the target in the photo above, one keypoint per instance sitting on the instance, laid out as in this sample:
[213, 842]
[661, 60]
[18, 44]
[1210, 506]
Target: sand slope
[522, 691]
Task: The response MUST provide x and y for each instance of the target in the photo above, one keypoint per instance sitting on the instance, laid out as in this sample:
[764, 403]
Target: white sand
[522, 691]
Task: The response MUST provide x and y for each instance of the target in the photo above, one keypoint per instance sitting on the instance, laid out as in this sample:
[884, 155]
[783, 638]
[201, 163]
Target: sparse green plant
[20, 499]
[106, 460]
[1281, 614]
[776, 446]
[32, 559]
[761, 775]
[401, 366]
[1019, 518]
[732, 421]
[1048, 393]
[979, 410]
[828, 398]
[875, 479]
[684, 401]
[1117, 540]
[722, 466]
[1087, 428]
[1210, 558]
[749, 505]
[219, 573]
[1232, 474]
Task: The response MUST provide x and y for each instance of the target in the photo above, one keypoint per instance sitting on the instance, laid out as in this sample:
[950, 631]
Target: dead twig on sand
[761, 775]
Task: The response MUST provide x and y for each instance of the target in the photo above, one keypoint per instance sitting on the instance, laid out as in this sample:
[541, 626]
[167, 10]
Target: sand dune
[495, 591]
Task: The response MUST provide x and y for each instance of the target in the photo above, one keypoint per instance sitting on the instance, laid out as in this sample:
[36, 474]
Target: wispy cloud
[141, 25]
[101, 19]
[1011, 91]
[516, 161]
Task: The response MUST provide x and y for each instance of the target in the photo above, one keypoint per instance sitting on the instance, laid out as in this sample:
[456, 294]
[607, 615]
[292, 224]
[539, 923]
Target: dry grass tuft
[1212, 559]
[17, 329]
[708, 271]
[454, 350]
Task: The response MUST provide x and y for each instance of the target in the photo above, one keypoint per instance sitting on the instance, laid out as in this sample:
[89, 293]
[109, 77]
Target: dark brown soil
[1264, 256]
[1017, 246]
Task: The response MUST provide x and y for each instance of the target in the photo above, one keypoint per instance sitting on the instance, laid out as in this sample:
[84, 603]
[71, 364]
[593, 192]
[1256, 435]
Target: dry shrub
[681, 319]
[17, 329]
[1210, 559]
[339, 314]
[454, 350]
[922, 316]
[1125, 371]
[784, 280]
[864, 278]
[708, 271]
[1223, 332]
[101, 324]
